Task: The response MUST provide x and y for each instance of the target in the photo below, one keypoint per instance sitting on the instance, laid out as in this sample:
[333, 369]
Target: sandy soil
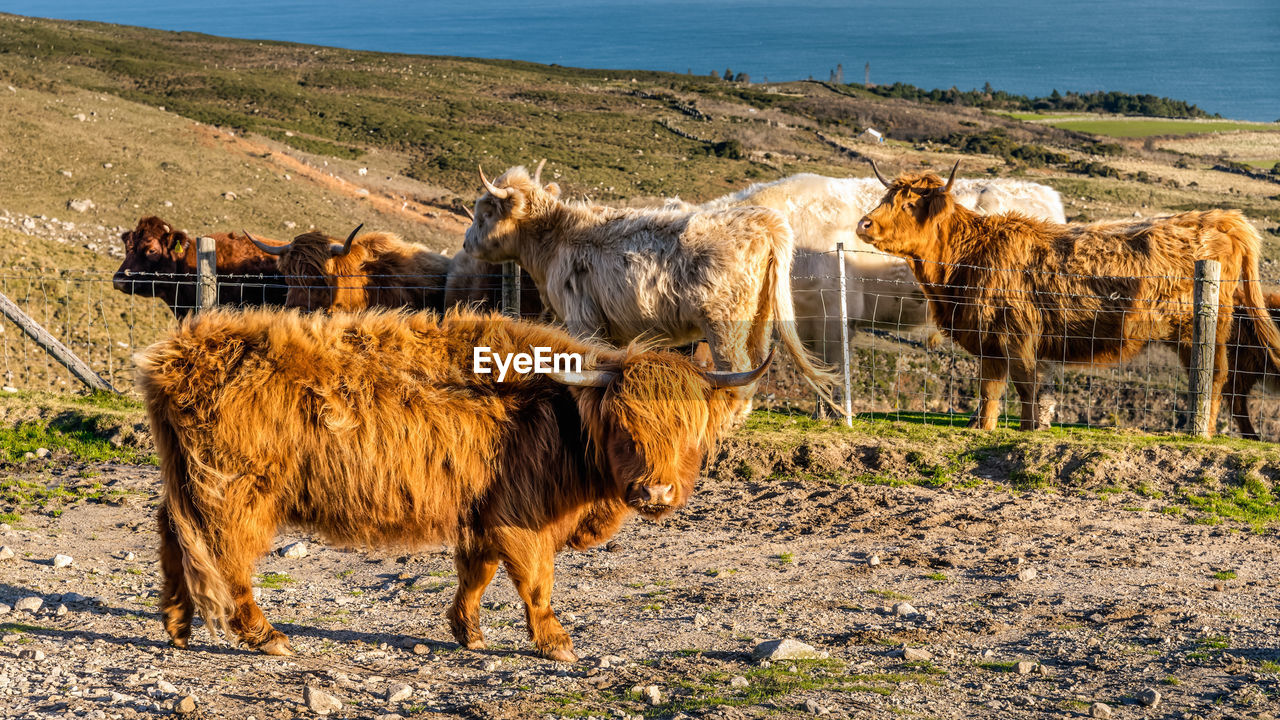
[1101, 597]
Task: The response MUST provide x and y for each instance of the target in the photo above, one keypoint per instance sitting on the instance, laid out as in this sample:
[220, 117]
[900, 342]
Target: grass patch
[1224, 575]
[940, 577]
[998, 666]
[786, 557]
[78, 437]
[274, 580]
[1147, 127]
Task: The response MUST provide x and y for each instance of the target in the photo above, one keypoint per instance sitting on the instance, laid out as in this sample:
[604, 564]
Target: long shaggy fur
[370, 429]
[1250, 363]
[671, 275]
[1014, 290]
[380, 270]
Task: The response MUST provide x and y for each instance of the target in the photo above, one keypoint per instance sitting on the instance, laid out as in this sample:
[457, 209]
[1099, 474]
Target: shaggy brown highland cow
[1250, 364]
[1013, 290]
[371, 429]
[375, 269]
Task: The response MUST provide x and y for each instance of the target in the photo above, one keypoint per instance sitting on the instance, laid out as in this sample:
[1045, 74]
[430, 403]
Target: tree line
[1102, 102]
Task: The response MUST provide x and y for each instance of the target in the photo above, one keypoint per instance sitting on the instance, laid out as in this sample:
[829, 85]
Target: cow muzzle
[652, 499]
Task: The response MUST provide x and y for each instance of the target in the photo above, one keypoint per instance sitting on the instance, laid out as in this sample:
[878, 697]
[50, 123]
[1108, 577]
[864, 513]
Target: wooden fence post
[511, 289]
[844, 339]
[206, 273]
[53, 346]
[1204, 335]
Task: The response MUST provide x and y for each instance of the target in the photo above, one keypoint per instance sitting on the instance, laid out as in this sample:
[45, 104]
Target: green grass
[1138, 127]
[940, 577]
[786, 557]
[274, 580]
[1269, 666]
[52, 498]
[1224, 575]
[11, 518]
[78, 437]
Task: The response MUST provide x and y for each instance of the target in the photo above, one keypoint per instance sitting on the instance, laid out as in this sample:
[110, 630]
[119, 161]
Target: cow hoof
[475, 644]
[277, 646]
[180, 643]
[563, 655]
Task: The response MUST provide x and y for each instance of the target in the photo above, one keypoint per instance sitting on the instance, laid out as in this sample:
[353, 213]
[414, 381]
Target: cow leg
[993, 375]
[1240, 411]
[475, 571]
[1026, 381]
[1220, 373]
[176, 606]
[532, 572]
[255, 526]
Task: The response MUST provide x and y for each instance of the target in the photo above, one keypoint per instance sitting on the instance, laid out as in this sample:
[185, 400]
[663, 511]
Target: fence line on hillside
[893, 363]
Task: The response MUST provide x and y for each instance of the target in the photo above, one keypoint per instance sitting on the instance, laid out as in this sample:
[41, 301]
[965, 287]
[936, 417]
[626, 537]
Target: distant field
[1147, 127]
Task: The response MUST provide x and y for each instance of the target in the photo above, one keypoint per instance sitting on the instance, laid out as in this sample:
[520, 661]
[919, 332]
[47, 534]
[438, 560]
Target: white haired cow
[672, 276]
[880, 288]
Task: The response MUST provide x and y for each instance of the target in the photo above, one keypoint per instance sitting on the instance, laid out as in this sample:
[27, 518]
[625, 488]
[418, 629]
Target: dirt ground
[1100, 596]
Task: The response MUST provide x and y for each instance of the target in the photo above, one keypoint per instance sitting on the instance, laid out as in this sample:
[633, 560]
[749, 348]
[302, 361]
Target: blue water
[1223, 55]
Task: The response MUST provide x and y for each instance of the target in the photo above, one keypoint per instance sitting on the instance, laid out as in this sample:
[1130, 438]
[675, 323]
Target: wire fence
[900, 364]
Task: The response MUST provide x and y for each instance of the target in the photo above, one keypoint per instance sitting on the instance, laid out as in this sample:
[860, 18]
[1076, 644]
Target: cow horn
[268, 249]
[879, 177]
[494, 190]
[537, 173]
[335, 249]
[585, 378]
[470, 214]
[952, 178]
[719, 379]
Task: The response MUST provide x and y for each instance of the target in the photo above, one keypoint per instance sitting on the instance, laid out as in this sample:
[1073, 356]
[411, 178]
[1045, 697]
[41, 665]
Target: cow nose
[656, 494]
[864, 224]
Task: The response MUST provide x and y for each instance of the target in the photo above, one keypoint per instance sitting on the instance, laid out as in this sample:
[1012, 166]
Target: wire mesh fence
[900, 364]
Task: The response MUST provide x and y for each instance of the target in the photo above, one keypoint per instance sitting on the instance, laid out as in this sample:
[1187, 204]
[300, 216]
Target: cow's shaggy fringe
[380, 270]
[370, 429]
[1013, 290]
[675, 274]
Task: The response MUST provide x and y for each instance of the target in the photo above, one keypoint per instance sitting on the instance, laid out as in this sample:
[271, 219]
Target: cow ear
[553, 189]
[937, 202]
[177, 242]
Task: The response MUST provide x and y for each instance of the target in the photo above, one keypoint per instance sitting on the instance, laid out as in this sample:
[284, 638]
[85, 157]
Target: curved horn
[585, 378]
[952, 179]
[276, 250]
[336, 249]
[494, 190]
[537, 174]
[470, 214]
[737, 379]
[879, 177]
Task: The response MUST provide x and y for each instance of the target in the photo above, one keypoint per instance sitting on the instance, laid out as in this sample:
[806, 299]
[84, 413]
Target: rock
[4, 609]
[389, 716]
[185, 706]
[31, 654]
[399, 693]
[1100, 710]
[1149, 697]
[739, 681]
[229, 195]
[80, 117]
[129, 557]
[294, 550]
[421, 649]
[652, 695]
[6, 552]
[166, 687]
[28, 604]
[42, 452]
[62, 610]
[916, 654]
[80, 206]
[1024, 667]
[700, 620]
[362, 172]
[813, 708]
[1027, 575]
[4, 527]
[61, 561]
[64, 173]
[904, 609]
[319, 701]
[289, 224]
[787, 649]
[873, 561]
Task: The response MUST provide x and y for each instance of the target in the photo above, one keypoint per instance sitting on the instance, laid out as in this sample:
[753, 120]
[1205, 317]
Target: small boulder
[80, 206]
[31, 654]
[185, 706]
[61, 561]
[1149, 697]
[873, 561]
[1100, 710]
[904, 609]
[399, 693]
[1027, 575]
[739, 681]
[786, 649]
[652, 695]
[6, 552]
[319, 701]
[29, 604]
[916, 654]
[294, 550]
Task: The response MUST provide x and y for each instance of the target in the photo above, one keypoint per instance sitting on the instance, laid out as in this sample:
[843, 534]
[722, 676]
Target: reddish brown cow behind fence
[1013, 290]
[1250, 363]
[161, 262]
[372, 429]
[375, 269]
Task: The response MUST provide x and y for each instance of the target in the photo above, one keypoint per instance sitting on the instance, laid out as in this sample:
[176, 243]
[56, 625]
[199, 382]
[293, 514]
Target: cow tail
[1251, 283]
[181, 488]
[819, 376]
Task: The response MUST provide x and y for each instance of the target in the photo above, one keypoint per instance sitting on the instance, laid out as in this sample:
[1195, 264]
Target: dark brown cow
[1014, 290]
[1250, 364]
[161, 262]
[373, 430]
[373, 269]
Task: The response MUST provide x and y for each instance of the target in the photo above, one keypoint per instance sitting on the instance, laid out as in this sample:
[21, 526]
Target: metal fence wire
[900, 366]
